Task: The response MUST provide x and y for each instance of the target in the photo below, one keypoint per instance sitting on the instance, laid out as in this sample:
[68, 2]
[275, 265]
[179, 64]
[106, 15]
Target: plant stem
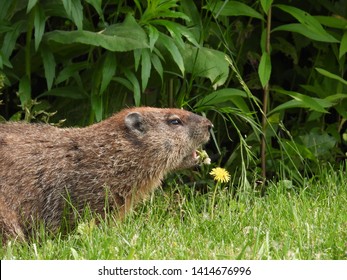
[214, 198]
[28, 44]
[265, 102]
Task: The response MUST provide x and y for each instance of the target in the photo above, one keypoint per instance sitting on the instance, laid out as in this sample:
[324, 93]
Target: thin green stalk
[217, 186]
[265, 103]
[28, 44]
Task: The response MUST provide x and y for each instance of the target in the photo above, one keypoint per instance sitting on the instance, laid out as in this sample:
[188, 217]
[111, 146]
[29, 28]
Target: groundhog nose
[209, 125]
[201, 121]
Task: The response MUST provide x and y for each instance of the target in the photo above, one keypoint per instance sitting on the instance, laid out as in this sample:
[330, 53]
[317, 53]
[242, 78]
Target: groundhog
[116, 162]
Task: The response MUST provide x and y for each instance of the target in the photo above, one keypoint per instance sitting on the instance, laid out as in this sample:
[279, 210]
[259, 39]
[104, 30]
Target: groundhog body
[115, 162]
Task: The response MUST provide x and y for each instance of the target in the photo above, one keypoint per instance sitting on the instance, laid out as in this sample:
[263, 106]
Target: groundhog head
[169, 137]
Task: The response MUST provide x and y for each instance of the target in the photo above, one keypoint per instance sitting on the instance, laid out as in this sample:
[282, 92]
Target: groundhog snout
[209, 125]
[201, 121]
[202, 129]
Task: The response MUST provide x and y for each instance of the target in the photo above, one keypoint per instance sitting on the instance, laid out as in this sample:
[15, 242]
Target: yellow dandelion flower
[220, 174]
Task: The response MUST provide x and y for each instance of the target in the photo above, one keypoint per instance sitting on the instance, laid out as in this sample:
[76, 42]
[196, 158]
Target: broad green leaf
[109, 42]
[161, 9]
[316, 104]
[266, 4]
[316, 90]
[177, 31]
[96, 78]
[233, 95]
[288, 105]
[97, 6]
[341, 108]
[293, 147]
[74, 10]
[4, 61]
[332, 21]
[336, 97]
[16, 117]
[124, 82]
[24, 90]
[344, 137]
[11, 37]
[302, 101]
[126, 36]
[205, 62]
[232, 8]
[158, 53]
[97, 106]
[326, 95]
[319, 144]
[135, 86]
[264, 70]
[138, 5]
[220, 96]
[173, 14]
[303, 30]
[339, 102]
[343, 45]
[157, 65]
[331, 75]
[54, 8]
[5, 5]
[31, 4]
[309, 26]
[49, 65]
[145, 67]
[5, 26]
[39, 24]
[70, 70]
[274, 118]
[303, 17]
[170, 45]
[137, 58]
[189, 7]
[153, 35]
[66, 92]
[108, 70]
[174, 30]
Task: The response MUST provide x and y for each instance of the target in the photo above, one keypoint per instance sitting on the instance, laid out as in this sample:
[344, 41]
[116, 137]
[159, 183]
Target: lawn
[180, 222]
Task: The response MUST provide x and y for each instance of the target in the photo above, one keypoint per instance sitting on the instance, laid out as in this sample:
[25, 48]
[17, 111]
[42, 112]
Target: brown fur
[121, 159]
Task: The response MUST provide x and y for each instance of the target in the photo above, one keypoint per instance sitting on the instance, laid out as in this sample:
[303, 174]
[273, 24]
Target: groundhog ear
[134, 122]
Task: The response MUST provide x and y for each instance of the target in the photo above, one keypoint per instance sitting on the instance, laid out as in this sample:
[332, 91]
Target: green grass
[307, 222]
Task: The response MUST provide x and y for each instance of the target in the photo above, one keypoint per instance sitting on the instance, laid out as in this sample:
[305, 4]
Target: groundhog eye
[175, 122]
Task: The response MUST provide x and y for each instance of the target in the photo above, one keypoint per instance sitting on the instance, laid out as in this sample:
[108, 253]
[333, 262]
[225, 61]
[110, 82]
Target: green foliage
[294, 53]
[100, 53]
[308, 26]
[271, 75]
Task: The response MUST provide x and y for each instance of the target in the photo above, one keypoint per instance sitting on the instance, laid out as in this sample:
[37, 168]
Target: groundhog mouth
[189, 160]
[195, 155]
[193, 158]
